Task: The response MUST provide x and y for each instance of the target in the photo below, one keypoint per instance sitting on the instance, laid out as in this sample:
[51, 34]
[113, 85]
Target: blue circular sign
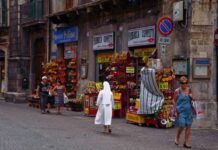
[165, 26]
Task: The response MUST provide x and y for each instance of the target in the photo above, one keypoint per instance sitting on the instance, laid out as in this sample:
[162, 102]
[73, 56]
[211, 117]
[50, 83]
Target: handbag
[194, 113]
[199, 112]
[66, 99]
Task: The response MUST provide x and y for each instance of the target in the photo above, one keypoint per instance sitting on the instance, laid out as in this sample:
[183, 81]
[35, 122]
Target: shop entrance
[103, 60]
[2, 71]
[39, 58]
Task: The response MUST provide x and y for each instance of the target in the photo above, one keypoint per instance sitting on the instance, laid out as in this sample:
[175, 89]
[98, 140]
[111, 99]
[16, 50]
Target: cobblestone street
[24, 128]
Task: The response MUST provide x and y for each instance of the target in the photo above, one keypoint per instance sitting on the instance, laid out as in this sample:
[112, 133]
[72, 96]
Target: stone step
[2, 98]
[15, 97]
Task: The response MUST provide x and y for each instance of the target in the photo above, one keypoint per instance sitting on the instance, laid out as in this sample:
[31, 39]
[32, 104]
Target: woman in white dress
[105, 104]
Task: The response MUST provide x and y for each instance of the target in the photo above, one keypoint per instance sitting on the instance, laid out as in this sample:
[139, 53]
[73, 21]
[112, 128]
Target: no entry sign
[165, 26]
[216, 37]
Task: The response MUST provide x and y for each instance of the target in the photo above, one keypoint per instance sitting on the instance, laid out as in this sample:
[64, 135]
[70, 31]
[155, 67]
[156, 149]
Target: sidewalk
[24, 128]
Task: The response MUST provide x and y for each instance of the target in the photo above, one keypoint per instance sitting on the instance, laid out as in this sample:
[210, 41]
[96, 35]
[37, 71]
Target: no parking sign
[165, 26]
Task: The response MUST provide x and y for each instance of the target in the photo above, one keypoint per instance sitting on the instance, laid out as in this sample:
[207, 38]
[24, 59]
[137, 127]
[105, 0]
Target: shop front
[103, 48]
[154, 84]
[66, 40]
[63, 63]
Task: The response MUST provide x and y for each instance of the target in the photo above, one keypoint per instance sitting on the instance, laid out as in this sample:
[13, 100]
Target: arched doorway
[2, 71]
[39, 58]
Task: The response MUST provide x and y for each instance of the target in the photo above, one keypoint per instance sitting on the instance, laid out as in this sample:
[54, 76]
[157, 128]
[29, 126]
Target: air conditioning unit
[178, 8]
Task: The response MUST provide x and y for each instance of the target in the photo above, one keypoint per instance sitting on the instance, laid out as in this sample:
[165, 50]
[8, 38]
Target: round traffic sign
[165, 26]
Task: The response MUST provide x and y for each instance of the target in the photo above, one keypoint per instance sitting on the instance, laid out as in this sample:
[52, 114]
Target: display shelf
[90, 108]
[121, 76]
[71, 71]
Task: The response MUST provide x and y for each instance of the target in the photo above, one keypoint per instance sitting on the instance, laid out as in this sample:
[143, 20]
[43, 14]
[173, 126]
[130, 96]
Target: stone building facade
[191, 41]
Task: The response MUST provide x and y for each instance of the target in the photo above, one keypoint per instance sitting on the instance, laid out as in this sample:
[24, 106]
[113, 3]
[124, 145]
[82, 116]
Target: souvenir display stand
[117, 104]
[133, 117]
[165, 79]
[75, 103]
[71, 77]
[164, 116]
[54, 70]
[90, 108]
[90, 98]
[33, 101]
[122, 80]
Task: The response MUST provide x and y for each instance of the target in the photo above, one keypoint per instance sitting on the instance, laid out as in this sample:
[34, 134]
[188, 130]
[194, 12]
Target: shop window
[103, 60]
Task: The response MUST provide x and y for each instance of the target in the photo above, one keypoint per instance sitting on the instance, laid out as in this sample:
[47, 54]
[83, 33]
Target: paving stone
[24, 128]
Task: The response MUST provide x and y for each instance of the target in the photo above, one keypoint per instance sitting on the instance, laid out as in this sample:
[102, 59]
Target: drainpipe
[49, 32]
[216, 51]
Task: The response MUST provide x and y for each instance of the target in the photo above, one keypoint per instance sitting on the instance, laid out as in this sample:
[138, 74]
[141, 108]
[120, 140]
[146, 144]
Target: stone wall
[202, 26]
[194, 38]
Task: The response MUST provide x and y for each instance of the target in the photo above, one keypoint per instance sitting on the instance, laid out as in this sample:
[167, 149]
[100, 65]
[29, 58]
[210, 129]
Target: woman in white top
[105, 103]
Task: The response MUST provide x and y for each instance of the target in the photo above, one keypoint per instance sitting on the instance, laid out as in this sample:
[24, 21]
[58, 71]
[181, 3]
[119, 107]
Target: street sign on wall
[141, 36]
[103, 41]
[165, 26]
[164, 40]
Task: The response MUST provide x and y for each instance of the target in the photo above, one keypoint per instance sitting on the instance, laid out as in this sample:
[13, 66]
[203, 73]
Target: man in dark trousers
[43, 91]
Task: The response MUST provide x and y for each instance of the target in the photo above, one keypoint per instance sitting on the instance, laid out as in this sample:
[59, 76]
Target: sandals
[176, 143]
[109, 130]
[187, 146]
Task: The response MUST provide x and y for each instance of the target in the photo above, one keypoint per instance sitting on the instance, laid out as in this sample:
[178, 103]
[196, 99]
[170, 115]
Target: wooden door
[69, 4]
[40, 58]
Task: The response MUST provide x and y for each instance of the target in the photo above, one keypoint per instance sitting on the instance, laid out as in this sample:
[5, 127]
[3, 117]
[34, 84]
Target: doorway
[39, 58]
[2, 71]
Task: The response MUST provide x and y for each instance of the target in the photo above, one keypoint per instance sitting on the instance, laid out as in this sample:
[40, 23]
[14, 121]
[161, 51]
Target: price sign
[163, 85]
[99, 85]
[130, 70]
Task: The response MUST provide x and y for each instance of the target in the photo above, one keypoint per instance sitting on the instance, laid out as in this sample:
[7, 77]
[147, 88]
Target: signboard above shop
[141, 36]
[64, 35]
[103, 41]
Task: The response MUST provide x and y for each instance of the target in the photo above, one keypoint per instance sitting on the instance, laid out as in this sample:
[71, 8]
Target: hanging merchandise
[155, 106]
[71, 77]
[55, 70]
[121, 76]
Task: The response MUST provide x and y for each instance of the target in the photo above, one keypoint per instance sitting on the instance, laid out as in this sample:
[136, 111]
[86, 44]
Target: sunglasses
[183, 82]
